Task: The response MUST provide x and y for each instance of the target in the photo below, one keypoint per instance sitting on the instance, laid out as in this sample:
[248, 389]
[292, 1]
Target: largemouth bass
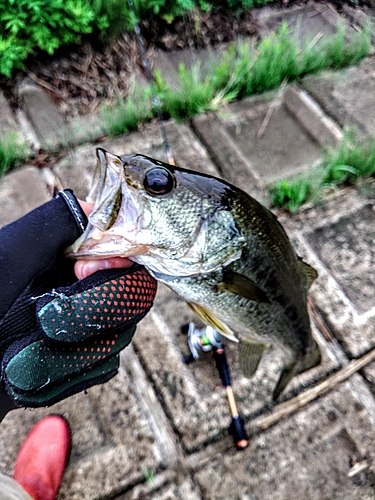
[215, 246]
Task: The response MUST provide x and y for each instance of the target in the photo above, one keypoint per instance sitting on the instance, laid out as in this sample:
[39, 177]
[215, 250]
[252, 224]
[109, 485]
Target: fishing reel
[200, 339]
[205, 340]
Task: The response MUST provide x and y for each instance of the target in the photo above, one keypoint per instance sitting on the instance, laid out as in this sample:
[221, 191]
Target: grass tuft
[193, 96]
[125, 116]
[291, 194]
[340, 167]
[12, 152]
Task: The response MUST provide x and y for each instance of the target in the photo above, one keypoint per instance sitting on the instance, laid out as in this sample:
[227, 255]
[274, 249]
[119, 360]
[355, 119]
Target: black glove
[59, 336]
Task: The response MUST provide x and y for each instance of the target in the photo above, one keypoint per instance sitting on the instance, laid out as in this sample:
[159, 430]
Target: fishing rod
[205, 340]
[155, 98]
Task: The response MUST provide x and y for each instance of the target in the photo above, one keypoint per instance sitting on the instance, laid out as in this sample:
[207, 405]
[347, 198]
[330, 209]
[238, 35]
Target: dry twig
[285, 409]
[44, 84]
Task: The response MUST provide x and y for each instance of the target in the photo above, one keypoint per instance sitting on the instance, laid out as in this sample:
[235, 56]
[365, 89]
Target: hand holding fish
[214, 245]
[58, 335]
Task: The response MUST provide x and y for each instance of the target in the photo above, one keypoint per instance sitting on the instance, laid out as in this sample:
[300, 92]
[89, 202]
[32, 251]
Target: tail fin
[310, 360]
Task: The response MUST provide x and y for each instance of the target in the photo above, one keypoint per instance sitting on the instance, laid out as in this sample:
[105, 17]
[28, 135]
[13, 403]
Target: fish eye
[158, 181]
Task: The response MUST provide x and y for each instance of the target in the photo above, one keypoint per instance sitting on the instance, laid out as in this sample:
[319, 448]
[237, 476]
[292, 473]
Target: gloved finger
[101, 303]
[39, 367]
[55, 393]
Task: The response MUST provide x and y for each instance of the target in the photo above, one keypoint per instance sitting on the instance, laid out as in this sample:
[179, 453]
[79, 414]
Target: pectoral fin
[250, 353]
[210, 319]
[242, 286]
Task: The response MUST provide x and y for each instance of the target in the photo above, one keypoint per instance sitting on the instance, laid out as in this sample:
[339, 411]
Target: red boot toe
[43, 457]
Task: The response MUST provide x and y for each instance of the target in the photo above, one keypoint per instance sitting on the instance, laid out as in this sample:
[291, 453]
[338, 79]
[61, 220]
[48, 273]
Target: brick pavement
[158, 431]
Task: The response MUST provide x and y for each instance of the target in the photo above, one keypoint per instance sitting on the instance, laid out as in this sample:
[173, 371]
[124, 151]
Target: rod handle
[237, 430]
[222, 366]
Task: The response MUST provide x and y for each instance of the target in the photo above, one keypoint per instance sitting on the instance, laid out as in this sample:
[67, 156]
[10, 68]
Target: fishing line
[155, 98]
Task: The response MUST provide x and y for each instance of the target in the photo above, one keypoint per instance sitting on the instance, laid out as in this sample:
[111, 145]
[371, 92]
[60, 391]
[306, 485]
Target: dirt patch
[200, 31]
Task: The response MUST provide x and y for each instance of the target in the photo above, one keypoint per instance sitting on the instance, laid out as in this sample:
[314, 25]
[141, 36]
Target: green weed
[125, 116]
[292, 193]
[343, 166]
[352, 159]
[193, 96]
[149, 477]
[12, 152]
[27, 25]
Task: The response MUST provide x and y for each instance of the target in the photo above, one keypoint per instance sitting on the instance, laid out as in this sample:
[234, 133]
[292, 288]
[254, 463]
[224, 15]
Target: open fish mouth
[106, 235]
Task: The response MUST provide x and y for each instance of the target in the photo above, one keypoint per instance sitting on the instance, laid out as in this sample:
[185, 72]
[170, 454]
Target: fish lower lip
[97, 249]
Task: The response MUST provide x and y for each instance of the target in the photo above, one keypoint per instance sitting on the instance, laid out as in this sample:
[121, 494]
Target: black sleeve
[29, 245]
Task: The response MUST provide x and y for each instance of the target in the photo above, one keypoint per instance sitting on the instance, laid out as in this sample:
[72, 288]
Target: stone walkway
[159, 430]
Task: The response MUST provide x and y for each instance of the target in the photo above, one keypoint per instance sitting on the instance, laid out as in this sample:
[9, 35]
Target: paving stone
[8, 122]
[28, 131]
[204, 58]
[312, 118]
[21, 191]
[10, 127]
[90, 127]
[309, 22]
[361, 17]
[337, 239]
[85, 128]
[184, 491]
[169, 72]
[264, 141]
[347, 250]
[113, 443]
[324, 451]
[347, 96]
[76, 170]
[43, 114]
